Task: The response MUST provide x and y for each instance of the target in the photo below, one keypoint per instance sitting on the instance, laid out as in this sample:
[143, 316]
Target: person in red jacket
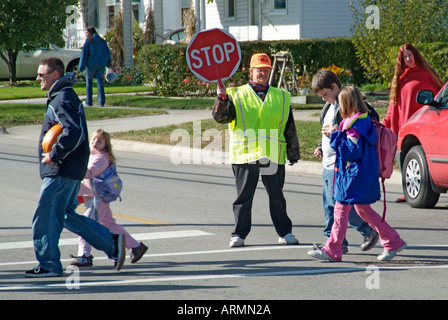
[412, 74]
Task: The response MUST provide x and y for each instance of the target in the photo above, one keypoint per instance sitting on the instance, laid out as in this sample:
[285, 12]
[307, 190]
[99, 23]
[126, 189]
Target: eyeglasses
[41, 75]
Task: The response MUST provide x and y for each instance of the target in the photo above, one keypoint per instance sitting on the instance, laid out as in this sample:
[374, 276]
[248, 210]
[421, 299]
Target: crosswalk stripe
[137, 236]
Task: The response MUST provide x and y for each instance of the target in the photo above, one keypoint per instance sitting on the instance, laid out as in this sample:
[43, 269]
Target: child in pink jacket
[101, 156]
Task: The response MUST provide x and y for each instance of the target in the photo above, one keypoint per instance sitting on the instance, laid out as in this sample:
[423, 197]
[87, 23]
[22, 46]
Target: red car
[423, 150]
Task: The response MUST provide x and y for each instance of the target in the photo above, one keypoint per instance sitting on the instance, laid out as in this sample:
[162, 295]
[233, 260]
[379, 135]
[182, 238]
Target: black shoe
[137, 253]
[120, 251]
[39, 272]
[370, 241]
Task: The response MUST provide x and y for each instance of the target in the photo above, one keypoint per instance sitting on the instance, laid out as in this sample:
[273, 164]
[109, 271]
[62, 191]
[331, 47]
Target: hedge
[166, 65]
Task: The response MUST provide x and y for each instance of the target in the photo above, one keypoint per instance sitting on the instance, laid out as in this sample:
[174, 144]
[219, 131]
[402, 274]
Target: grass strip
[14, 114]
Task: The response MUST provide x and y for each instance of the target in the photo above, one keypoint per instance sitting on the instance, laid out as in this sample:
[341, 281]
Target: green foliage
[28, 25]
[166, 65]
[417, 22]
[129, 75]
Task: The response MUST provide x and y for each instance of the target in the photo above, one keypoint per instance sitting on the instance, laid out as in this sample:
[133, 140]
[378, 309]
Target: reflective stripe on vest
[258, 130]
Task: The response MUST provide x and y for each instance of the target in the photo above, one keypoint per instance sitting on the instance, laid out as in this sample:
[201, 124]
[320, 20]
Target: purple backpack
[108, 184]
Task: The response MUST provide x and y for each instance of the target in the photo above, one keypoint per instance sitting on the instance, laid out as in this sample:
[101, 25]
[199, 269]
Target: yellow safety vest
[258, 130]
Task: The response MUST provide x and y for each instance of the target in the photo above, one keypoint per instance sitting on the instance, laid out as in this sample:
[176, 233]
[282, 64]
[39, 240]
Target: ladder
[283, 61]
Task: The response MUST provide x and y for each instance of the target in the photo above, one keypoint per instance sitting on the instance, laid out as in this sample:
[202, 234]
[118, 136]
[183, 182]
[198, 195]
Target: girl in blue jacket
[356, 181]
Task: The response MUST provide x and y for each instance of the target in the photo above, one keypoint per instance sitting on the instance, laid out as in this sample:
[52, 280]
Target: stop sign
[213, 55]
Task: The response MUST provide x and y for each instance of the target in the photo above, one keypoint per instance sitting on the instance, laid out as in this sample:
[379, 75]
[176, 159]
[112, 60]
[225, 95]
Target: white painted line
[310, 271]
[137, 236]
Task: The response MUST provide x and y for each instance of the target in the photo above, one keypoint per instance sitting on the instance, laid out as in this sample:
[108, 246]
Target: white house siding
[303, 19]
[171, 15]
[281, 26]
[274, 26]
[326, 18]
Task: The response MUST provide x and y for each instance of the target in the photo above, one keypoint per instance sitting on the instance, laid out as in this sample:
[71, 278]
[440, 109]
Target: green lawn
[14, 114]
[142, 104]
[31, 89]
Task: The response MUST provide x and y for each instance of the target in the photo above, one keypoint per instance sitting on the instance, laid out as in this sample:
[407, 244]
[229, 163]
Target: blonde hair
[351, 101]
[107, 144]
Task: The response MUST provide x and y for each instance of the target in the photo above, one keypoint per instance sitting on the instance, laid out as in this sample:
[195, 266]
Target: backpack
[108, 184]
[386, 147]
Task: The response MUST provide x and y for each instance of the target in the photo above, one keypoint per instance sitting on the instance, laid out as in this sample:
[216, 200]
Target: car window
[179, 36]
[442, 97]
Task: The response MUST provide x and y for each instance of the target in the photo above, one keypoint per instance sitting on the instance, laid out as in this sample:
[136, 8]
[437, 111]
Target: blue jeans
[98, 73]
[56, 210]
[328, 205]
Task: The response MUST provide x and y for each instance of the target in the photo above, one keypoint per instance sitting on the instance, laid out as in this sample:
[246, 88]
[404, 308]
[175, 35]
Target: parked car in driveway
[177, 35]
[423, 150]
[28, 62]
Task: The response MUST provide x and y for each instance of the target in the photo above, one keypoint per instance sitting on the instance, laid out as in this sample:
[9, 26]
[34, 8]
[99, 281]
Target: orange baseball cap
[260, 60]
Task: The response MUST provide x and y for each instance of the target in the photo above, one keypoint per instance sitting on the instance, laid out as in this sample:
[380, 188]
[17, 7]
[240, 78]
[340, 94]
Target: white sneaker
[236, 242]
[319, 254]
[85, 105]
[389, 255]
[288, 239]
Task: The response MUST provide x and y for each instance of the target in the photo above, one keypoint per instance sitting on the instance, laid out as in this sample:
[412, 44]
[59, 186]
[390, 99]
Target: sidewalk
[191, 155]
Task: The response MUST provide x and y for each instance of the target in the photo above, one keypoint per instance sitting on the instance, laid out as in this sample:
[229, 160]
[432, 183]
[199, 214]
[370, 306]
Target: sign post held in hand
[213, 55]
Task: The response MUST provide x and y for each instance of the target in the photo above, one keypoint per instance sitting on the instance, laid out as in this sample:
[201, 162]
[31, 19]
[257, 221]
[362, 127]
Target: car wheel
[416, 180]
[74, 68]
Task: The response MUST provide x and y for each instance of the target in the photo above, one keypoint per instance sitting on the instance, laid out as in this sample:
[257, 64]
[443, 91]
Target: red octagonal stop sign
[213, 55]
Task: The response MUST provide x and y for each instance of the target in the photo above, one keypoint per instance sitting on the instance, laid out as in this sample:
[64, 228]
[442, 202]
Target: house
[246, 20]
[100, 14]
[267, 20]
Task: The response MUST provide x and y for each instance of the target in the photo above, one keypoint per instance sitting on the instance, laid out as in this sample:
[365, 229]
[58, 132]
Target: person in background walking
[262, 132]
[356, 184]
[95, 57]
[412, 74]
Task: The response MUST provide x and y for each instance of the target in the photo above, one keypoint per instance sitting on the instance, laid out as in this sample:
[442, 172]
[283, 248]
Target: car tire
[416, 180]
[74, 68]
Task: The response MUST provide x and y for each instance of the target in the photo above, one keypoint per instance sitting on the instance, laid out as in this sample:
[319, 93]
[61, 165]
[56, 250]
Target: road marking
[142, 220]
[132, 218]
[311, 271]
[137, 236]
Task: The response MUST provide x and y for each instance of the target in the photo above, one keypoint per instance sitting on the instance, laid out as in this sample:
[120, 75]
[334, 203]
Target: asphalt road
[183, 213]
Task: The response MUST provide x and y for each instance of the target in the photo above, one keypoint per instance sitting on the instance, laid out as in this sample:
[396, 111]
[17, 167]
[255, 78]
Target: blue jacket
[71, 153]
[95, 54]
[356, 165]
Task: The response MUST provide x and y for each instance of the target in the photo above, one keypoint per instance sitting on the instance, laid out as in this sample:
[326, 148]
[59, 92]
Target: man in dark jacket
[62, 170]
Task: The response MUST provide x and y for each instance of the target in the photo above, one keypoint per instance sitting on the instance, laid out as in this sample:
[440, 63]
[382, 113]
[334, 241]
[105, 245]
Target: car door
[436, 139]
[4, 73]
[28, 62]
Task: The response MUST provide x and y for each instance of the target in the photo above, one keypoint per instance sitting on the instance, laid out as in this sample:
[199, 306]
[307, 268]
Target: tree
[28, 25]
[383, 25]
